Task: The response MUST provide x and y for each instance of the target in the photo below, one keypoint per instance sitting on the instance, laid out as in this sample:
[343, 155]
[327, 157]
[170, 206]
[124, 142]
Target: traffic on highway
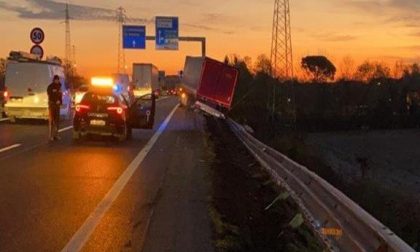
[72, 147]
[209, 126]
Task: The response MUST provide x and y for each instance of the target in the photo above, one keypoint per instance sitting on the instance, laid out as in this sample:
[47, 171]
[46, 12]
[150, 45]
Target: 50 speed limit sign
[37, 36]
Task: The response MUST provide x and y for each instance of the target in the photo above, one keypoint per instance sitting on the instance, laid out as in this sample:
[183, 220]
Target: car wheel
[77, 136]
[129, 133]
[124, 135]
[69, 113]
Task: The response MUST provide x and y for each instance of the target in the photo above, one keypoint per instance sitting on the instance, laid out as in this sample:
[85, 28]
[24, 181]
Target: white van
[26, 83]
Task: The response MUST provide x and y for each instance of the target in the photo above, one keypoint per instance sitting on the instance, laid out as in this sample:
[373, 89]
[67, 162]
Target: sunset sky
[385, 30]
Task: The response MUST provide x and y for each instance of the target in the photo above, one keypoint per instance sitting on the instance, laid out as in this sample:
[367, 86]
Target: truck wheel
[183, 100]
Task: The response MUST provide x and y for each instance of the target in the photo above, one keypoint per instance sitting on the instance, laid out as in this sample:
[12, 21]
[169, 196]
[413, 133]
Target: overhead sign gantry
[166, 37]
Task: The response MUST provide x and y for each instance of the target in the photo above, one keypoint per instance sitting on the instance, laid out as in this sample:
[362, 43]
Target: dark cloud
[404, 12]
[381, 6]
[52, 10]
[411, 5]
[207, 28]
[333, 37]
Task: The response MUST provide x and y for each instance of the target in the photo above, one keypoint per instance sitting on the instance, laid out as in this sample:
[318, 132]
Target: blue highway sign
[134, 37]
[167, 33]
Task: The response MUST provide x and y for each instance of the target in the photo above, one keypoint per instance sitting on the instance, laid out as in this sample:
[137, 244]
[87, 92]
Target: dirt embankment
[242, 191]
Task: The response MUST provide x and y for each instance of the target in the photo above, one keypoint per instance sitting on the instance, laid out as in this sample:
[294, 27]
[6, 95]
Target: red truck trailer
[208, 84]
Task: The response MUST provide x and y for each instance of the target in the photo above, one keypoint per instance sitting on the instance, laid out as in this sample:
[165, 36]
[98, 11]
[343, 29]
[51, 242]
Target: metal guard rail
[323, 205]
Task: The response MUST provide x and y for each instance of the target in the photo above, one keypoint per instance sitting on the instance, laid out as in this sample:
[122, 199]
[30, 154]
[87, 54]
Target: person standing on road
[55, 99]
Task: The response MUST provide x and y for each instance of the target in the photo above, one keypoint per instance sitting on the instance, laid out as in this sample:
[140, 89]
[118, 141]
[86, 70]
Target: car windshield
[95, 98]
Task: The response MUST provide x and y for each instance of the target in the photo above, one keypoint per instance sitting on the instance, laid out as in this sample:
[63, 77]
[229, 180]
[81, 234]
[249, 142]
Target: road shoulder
[180, 219]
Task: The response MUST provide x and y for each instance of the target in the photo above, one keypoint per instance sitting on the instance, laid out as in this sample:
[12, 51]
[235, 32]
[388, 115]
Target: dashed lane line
[11, 147]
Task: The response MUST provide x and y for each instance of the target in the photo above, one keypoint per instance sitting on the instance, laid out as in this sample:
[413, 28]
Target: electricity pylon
[121, 17]
[281, 45]
[68, 54]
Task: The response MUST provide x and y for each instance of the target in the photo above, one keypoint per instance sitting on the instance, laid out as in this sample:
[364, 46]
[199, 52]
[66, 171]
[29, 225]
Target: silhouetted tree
[398, 70]
[365, 71]
[321, 68]
[412, 72]
[347, 68]
[232, 59]
[415, 69]
[369, 71]
[263, 65]
[382, 71]
[2, 67]
[2, 72]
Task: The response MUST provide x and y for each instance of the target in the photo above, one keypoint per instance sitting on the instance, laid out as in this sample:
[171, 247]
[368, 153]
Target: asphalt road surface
[146, 194]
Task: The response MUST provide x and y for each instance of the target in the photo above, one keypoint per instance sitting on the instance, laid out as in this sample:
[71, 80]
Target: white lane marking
[4, 119]
[82, 235]
[10, 147]
[65, 129]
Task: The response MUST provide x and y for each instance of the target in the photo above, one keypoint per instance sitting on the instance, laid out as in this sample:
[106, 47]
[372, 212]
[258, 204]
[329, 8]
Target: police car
[106, 111]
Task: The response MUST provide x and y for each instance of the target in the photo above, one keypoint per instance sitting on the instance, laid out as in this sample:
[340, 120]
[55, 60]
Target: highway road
[146, 194]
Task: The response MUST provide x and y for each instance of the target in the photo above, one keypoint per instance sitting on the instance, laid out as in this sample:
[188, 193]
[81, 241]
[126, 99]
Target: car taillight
[119, 110]
[81, 107]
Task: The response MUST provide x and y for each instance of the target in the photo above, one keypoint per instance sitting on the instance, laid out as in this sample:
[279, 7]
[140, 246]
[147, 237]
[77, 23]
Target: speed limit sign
[37, 36]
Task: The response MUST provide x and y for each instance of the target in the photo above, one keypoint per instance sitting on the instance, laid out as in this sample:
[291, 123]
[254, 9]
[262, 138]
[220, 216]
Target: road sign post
[167, 33]
[201, 40]
[37, 36]
[134, 37]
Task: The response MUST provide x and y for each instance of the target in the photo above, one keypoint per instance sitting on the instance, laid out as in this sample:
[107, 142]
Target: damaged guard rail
[324, 206]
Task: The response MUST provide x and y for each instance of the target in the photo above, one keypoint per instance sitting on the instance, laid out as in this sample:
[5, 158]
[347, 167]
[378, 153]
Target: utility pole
[121, 17]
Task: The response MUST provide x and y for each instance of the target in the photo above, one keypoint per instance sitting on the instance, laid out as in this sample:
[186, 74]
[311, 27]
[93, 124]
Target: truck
[145, 79]
[208, 85]
[162, 79]
[26, 80]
